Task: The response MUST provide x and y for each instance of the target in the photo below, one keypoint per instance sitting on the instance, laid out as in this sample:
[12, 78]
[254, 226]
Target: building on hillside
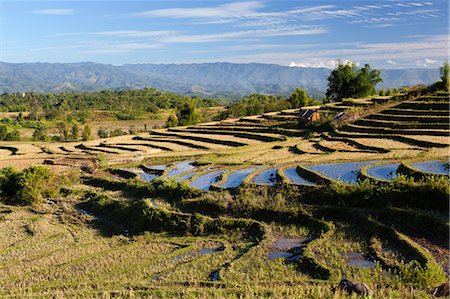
[342, 118]
[309, 116]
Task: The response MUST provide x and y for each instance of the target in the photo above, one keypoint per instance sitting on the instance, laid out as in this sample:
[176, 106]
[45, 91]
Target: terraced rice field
[400, 130]
[261, 167]
[228, 177]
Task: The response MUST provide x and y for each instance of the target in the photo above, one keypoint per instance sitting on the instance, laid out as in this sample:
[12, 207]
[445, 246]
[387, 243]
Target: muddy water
[181, 168]
[266, 177]
[384, 172]
[294, 178]
[236, 178]
[157, 167]
[345, 172]
[187, 176]
[205, 181]
[435, 167]
[288, 248]
[147, 177]
[357, 260]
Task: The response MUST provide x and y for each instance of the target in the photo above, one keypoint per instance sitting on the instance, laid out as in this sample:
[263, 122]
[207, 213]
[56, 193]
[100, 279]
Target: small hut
[309, 116]
[342, 118]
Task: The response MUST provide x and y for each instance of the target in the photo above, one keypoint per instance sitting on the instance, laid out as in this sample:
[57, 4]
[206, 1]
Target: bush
[102, 133]
[40, 135]
[118, 132]
[27, 187]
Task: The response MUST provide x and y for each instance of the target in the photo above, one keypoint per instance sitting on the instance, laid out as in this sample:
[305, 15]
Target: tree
[75, 132]
[40, 135]
[298, 98]
[346, 81]
[87, 132]
[63, 131]
[172, 121]
[7, 134]
[187, 114]
[445, 70]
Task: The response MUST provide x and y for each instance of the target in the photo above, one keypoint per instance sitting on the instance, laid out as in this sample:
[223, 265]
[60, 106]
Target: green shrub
[422, 276]
[103, 133]
[29, 186]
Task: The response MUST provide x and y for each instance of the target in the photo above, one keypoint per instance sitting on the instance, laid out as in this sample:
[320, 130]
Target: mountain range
[197, 79]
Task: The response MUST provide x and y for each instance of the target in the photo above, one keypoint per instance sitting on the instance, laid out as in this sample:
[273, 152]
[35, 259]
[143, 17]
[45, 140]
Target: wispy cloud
[426, 52]
[121, 33]
[256, 13]
[280, 31]
[59, 11]
[426, 62]
[221, 11]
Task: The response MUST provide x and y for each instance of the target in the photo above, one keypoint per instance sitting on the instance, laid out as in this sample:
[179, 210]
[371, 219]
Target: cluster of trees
[127, 104]
[388, 92]
[444, 83]
[67, 132]
[260, 103]
[348, 81]
[68, 111]
[186, 115]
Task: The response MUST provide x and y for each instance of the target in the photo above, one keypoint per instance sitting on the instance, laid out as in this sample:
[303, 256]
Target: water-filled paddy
[236, 178]
[266, 177]
[435, 167]
[383, 172]
[288, 248]
[345, 172]
[357, 260]
[294, 178]
[205, 181]
[181, 168]
[147, 177]
[187, 176]
[157, 167]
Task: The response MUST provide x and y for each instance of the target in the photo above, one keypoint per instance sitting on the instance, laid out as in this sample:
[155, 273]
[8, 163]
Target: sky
[386, 34]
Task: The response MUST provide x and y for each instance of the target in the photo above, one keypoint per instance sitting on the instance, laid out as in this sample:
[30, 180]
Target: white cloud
[233, 9]
[250, 14]
[391, 62]
[279, 31]
[425, 52]
[59, 11]
[317, 63]
[121, 33]
[426, 62]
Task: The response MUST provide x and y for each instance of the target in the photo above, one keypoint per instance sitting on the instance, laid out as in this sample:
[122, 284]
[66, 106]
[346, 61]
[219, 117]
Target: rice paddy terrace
[249, 207]
[398, 130]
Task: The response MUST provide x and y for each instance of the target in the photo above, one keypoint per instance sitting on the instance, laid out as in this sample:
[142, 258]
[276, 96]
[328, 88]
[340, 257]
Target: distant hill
[202, 79]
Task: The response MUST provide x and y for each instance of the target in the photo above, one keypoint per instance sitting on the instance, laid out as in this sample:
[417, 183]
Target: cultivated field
[249, 207]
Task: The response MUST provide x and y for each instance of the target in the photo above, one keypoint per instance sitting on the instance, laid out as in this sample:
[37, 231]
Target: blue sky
[387, 34]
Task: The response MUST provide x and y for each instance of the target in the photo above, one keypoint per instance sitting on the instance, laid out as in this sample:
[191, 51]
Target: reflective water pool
[436, 166]
[236, 178]
[383, 172]
[266, 177]
[345, 172]
[294, 178]
[205, 181]
[180, 168]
